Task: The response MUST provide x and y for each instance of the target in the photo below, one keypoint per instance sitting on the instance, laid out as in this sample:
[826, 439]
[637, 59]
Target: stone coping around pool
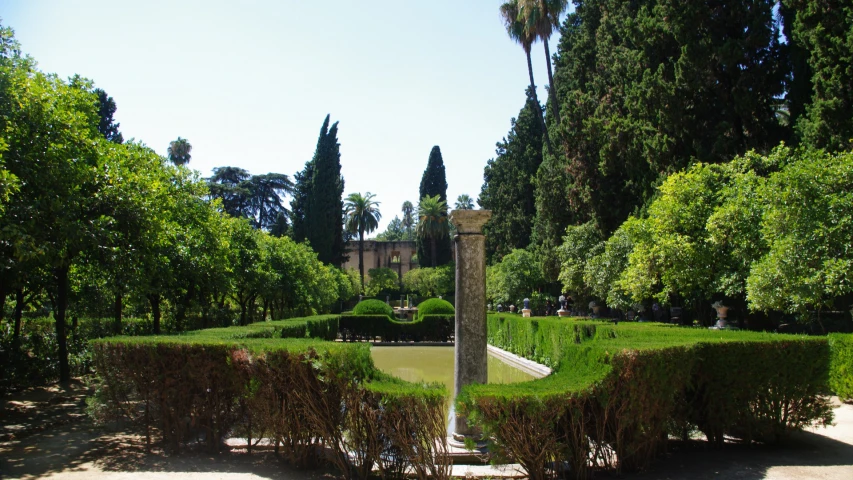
[527, 366]
[412, 344]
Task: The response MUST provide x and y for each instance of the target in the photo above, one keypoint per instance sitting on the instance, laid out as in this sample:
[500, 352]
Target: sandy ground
[44, 434]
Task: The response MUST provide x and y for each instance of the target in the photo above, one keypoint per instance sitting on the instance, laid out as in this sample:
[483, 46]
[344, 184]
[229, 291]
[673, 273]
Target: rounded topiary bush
[373, 307]
[435, 306]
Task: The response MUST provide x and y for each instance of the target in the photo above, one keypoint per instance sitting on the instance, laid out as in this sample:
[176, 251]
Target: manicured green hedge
[302, 394]
[619, 391]
[435, 306]
[427, 328]
[841, 370]
[323, 327]
[372, 306]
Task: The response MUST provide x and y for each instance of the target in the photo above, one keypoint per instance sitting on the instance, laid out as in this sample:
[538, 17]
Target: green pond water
[435, 364]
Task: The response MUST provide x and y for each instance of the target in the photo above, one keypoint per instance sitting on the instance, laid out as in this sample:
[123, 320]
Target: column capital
[469, 222]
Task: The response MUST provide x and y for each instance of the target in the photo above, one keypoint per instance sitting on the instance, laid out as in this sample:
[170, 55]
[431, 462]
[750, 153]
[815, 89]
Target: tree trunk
[182, 308]
[117, 313]
[552, 90]
[154, 299]
[61, 277]
[243, 312]
[361, 256]
[538, 106]
[19, 313]
[432, 249]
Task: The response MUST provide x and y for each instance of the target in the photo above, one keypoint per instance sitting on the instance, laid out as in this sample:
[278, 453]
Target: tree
[541, 18]
[179, 151]
[464, 202]
[232, 187]
[434, 183]
[323, 208]
[299, 201]
[408, 220]
[515, 28]
[107, 125]
[433, 224]
[362, 217]
[394, 232]
[509, 185]
[265, 201]
[515, 277]
[431, 282]
[821, 33]
[382, 279]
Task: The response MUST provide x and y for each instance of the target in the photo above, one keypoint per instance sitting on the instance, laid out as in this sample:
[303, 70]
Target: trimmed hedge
[324, 327]
[372, 306]
[427, 328]
[435, 306]
[620, 390]
[301, 394]
[841, 365]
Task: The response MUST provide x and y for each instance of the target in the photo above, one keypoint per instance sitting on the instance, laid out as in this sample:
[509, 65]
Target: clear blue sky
[248, 83]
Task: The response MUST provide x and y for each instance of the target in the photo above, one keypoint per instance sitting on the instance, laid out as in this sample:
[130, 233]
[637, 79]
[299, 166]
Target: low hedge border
[302, 394]
[427, 328]
[620, 390]
[324, 327]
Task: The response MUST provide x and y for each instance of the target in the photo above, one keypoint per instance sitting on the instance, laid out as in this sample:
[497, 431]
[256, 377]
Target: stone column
[471, 354]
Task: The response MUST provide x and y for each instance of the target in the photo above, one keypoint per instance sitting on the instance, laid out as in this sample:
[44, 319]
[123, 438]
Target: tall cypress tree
[299, 203]
[324, 207]
[434, 182]
[508, 184]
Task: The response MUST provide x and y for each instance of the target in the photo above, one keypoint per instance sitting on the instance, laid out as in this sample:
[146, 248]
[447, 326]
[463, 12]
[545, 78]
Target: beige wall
[394, 255]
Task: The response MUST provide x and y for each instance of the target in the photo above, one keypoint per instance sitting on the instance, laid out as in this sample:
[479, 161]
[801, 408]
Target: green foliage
[808, 223]
[821, 30]
[508, 185]
[426, 328]
[382, 280]
[372, 306]
[841, 365]
[625, 388]
[580, 244]
[435, 306]
[431, 282]
[433, 242]
[179, 151]
[517, 276]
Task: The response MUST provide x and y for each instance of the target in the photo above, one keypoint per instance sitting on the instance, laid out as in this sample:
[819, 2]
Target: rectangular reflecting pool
[435, 364]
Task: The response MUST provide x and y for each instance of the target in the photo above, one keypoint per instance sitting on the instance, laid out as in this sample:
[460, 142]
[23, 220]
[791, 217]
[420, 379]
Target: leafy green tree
[808, 224]
[266, 199]
[433, 225]
[248, 261]
[464, 202]
[508, 185]
[649, 87]
[602, 271]
[821, 29]
[382, 280]
[107, 125]
[323, 212]
[431, 282]
[515, 277]
[179, 151]
[299, 201]
[434, 184]
[362, 214]
[580, 244]
[394, 232]
[232, 187]
[515, 28]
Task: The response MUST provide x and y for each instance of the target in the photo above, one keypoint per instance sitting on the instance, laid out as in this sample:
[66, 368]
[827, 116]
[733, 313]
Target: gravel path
[44, 434]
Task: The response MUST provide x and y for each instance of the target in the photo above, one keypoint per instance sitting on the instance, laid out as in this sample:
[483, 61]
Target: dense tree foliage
[434, 250]
[179, 151]
[91, 226]
[255, 197]
[362, 214]
[514, 278]
[383, 281]
[508, 185]
[317, 205]
[107, 125]
[433, 227]
[431, 282]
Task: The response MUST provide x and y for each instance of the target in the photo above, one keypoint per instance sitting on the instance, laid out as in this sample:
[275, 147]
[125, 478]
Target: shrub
[435, 306]
[619, 391]
[427, 328]
[373, 307]
[841, 365]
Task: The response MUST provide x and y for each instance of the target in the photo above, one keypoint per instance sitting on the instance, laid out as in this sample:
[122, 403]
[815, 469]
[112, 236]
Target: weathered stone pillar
[471, 354]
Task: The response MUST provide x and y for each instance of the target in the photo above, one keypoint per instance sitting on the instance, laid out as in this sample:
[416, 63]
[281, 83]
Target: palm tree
[540, 18]
[464, 202]
[362, 215]
[179, 151]
[432, 221]
[524, 37]
[408, 218]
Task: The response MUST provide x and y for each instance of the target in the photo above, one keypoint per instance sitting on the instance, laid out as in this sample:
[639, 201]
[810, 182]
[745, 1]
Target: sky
[249, 83]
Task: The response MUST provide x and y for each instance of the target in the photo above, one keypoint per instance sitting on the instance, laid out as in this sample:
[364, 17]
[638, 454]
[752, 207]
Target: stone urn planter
[722, 313]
